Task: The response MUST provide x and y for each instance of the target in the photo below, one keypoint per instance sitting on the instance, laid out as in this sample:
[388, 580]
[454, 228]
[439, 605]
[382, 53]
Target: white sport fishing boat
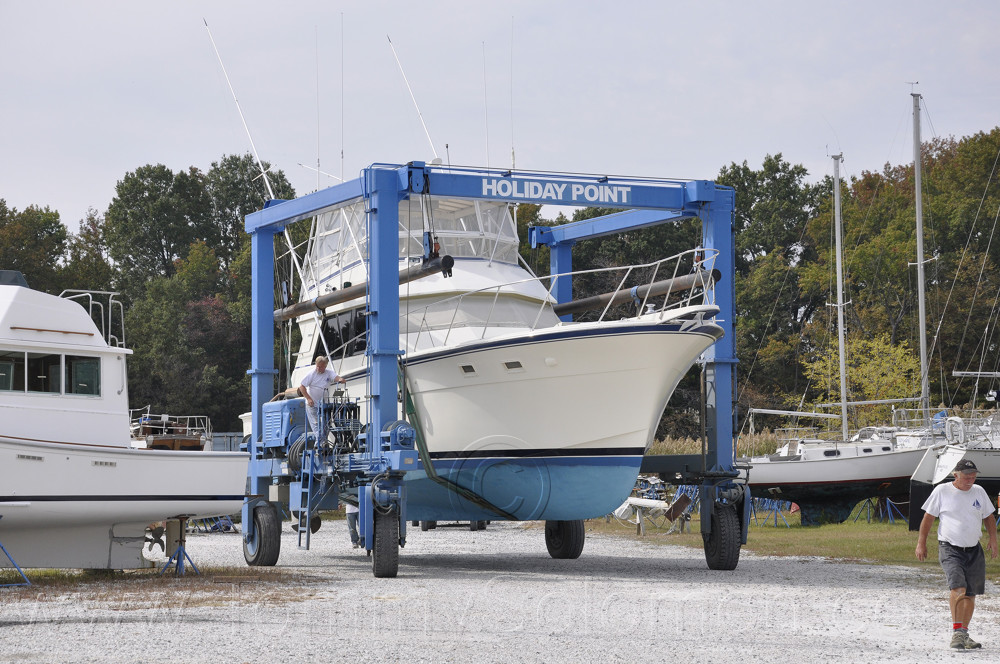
[75, 492]
[546, 418]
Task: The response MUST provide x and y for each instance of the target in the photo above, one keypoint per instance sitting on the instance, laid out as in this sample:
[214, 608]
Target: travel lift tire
[265, 545]
[385, 547]
[564, 539]
[722, 544]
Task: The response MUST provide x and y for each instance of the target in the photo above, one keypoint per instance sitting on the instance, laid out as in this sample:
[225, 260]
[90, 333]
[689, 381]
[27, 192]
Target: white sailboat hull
[828, 488]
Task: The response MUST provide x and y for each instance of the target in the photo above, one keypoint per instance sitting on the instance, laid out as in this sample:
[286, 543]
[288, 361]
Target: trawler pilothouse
[75, 491]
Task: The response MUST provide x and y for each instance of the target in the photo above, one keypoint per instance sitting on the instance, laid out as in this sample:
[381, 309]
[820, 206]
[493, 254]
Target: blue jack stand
[181, 554]
[16, 566]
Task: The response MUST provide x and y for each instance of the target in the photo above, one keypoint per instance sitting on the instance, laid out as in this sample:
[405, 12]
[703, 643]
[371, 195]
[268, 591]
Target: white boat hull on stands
[77, 506]
[826, 489]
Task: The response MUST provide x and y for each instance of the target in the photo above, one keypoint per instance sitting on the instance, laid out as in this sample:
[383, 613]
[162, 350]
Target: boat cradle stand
[16, 566]
[178, 557]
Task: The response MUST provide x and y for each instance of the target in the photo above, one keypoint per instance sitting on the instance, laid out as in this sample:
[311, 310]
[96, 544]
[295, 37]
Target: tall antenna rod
[341, 96]
[486, 110]
[317, 109]
[421, 115]
[260, 164]
[511, 93]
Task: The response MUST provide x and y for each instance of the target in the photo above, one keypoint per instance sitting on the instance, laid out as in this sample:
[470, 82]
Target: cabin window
[344, 333]
[831, 453]
[11, 371]
[83, 375]
[468, 369]
[44, 373]
[866, 450]
[513, 365]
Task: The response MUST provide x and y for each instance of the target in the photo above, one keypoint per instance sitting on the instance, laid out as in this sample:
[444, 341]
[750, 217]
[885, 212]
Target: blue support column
[561, 262]
[719, 233]
[262, 322]
[383, 298]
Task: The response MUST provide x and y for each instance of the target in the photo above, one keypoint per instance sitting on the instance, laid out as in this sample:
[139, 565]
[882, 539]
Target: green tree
[773, 205]
[154, 218]
[876, 369]
[236, 189]
[87, 265]
[32, 241]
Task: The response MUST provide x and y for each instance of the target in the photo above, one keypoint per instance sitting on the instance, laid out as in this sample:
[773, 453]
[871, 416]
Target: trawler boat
[546, 418]
[74, 490]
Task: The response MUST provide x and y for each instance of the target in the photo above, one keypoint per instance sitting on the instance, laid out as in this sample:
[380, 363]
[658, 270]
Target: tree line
[172, 243]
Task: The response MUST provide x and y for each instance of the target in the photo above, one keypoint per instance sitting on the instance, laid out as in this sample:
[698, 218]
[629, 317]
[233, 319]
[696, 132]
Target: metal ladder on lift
[305, 499]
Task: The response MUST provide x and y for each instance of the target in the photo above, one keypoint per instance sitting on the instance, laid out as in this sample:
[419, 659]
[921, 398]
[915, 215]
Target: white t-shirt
[316, 383]
[350, 509]
[961, 513]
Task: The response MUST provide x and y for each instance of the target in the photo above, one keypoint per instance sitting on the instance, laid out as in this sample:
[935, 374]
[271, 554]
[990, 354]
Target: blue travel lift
[286, 468]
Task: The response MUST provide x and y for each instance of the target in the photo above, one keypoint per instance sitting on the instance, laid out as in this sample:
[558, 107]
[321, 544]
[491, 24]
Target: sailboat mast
[925, 391]
[842, 354]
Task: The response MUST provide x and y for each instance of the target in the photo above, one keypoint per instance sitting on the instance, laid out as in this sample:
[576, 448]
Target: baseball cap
[966, 466]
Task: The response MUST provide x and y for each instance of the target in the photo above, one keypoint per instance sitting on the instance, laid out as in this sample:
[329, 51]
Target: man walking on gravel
[964, 508]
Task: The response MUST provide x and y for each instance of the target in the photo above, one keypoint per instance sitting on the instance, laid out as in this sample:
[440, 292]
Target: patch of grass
[863, 542]
[747, 445]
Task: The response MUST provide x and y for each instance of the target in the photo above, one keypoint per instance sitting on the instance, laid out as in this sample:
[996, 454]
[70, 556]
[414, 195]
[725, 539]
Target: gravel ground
[493, 596]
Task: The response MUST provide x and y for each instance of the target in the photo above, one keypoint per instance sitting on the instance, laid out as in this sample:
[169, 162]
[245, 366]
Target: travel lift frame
[386, 455]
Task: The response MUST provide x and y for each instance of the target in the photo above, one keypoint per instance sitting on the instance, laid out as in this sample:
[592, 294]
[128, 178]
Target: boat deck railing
[682, 280]
[144, 423]
[105, 309]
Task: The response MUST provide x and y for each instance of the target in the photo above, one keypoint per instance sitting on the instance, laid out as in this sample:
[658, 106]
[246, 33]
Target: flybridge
[557, 192]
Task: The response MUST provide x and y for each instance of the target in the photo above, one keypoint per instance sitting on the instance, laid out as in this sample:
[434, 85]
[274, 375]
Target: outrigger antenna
[419, 114]
[260, 164]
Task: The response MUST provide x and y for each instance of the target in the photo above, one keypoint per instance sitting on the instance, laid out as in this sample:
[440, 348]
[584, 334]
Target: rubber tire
[265, 547]
[315, 524]
[385, 548]
[482, 525]
[473, 526]
[414, 523]
[565, 539]
[722, 544]
[425, 525]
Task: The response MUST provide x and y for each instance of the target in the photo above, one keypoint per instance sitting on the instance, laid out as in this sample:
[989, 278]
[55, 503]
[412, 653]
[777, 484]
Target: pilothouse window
[12, 371]
[44, 373]
[83, 375]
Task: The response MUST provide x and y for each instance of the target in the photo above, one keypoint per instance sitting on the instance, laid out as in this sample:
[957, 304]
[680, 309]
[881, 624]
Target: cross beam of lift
[383, 460]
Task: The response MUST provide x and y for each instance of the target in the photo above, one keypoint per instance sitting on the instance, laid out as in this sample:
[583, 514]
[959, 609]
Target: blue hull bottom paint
[559, 488]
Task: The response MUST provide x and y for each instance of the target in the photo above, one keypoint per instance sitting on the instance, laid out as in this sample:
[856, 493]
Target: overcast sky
[93, 90]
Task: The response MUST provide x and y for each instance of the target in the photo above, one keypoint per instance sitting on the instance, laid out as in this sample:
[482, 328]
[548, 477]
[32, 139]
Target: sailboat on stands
[827, 478]
[75, 491]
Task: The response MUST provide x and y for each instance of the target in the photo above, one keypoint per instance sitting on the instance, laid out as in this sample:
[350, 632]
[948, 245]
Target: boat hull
[86, 506]
[937, 466]
[826, 490]
[550, 426]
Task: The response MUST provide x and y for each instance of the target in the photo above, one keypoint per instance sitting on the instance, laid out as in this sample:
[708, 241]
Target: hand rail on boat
[700, 284]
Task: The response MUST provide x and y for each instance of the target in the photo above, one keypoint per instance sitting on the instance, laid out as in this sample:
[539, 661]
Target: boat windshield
[462, 228]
